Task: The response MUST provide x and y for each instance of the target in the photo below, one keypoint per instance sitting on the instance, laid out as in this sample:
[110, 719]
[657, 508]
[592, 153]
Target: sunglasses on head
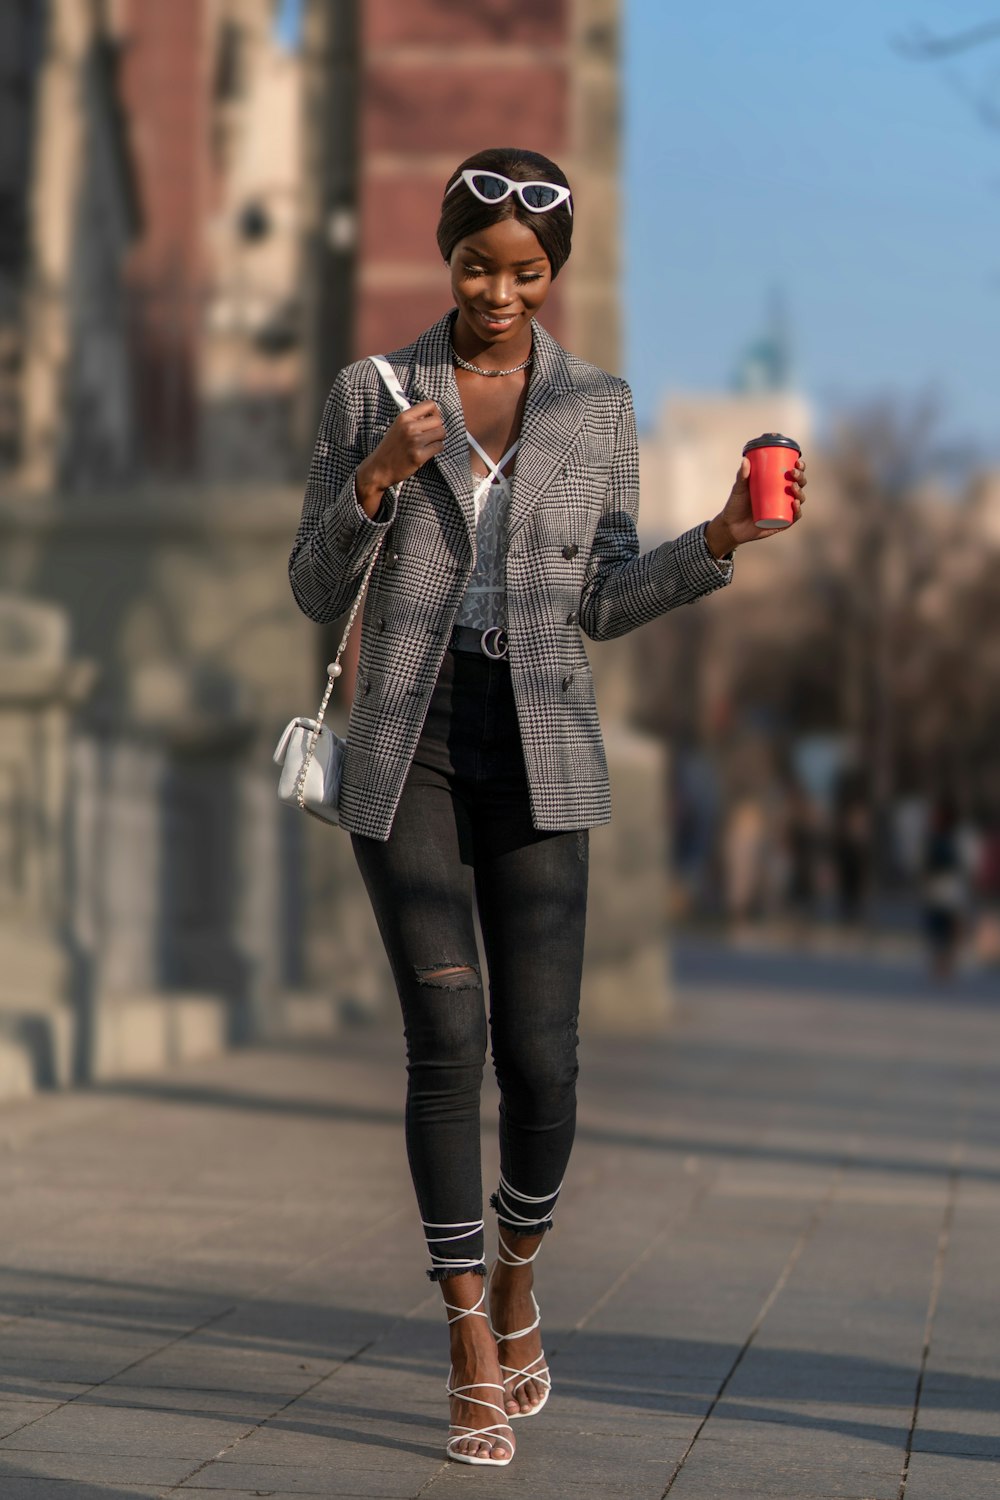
[493, 187]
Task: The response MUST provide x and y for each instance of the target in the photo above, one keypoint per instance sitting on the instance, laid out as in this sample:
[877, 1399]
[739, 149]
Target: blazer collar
[434, 380]
[554, 413]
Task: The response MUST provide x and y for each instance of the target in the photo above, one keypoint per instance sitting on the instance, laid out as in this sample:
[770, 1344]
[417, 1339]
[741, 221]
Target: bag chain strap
[333, 672]
[391, 381]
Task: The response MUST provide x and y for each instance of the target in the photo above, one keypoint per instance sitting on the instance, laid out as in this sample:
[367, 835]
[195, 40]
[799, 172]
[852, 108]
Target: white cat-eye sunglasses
[493, 187]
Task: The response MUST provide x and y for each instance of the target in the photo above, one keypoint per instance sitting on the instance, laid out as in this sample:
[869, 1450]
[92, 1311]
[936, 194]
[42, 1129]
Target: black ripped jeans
[463, 835]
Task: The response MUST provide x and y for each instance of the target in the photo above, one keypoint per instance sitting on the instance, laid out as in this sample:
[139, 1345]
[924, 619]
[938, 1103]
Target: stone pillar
[40, 689]
[627, 987]
[593, 276]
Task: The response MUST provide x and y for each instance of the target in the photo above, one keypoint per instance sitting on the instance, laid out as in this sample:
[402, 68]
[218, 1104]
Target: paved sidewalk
[774, 1271]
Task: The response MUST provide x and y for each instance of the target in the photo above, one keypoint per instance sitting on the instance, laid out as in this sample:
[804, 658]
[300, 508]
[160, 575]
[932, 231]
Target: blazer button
[566, 682]
[392, 558]
[572, 617]
[380, 624]
[570, 550]
[366, 686]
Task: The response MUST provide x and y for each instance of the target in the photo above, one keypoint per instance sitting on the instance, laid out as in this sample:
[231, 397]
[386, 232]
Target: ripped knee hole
[450, 977]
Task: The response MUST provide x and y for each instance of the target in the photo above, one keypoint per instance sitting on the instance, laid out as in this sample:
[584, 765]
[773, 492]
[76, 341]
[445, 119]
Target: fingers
[423, 420]
[428, 429]
[798, 478]
[419, 433]
[422, 411]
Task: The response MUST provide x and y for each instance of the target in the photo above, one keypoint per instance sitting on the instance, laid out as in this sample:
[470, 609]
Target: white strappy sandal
[536, 1369]
[492, 1433]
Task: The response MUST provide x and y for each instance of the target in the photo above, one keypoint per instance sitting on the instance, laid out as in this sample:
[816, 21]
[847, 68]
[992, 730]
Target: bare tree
[883, 632]
[925, 46]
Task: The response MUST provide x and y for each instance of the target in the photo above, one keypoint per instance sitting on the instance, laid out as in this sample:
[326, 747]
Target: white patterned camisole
[485, 600]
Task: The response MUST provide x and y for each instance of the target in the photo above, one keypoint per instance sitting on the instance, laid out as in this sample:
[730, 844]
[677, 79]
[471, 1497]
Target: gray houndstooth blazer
[573, 564]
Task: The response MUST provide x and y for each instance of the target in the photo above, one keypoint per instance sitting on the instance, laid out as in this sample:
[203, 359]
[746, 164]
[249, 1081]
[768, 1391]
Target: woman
[507, 499]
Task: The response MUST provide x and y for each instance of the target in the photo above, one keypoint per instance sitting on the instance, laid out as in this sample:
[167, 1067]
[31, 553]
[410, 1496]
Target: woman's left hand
[735, 524]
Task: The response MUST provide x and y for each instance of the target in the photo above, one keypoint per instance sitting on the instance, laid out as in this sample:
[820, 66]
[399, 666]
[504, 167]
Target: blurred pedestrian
[987, 880]
[804, 848]
[851, 851]
[945, 887]
[474, 765]
[743, 848]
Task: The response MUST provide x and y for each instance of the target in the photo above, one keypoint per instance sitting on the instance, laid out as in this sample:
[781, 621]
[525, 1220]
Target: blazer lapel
[434, 380]
[554, 413]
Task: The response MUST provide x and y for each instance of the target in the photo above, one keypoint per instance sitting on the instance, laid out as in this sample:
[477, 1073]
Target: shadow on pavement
[634, 1376]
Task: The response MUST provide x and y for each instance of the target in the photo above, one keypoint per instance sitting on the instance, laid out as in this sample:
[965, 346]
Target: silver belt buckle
[493, 643]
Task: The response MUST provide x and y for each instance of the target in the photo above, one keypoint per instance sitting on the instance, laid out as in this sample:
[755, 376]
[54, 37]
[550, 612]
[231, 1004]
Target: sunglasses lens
[539, 194]
[489, 186]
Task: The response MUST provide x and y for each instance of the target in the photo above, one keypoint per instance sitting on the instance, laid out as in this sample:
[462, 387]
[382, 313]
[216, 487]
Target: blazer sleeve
[622, 587]
[335, 539]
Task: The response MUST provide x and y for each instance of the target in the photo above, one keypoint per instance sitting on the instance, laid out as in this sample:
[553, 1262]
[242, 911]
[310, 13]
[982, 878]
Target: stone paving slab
[18, 1487]
[942, 1477]
[210, 1282]
[92, 1468]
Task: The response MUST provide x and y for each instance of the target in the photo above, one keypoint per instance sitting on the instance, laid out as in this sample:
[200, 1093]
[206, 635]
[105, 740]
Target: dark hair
[462, 213]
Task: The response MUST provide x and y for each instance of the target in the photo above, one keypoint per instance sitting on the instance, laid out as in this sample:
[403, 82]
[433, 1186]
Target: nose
[499, 289]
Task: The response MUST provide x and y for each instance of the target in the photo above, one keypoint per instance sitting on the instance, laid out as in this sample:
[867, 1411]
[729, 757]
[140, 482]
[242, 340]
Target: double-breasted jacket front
[573, 566]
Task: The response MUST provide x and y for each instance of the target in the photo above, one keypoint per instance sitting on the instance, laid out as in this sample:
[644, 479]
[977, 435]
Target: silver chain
[333, 671]
[490, 374]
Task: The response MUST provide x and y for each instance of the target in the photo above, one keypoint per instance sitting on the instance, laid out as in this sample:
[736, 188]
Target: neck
[490, 356]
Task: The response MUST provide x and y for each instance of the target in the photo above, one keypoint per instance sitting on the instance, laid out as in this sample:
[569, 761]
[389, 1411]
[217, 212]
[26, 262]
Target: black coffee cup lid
[772, 440]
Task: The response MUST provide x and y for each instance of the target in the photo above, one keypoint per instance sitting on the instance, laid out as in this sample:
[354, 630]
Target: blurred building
[21, 42]
[208, 206]
[160, 305]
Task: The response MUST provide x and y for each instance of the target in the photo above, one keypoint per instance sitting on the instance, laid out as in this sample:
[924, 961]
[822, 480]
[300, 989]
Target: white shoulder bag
[310, 755]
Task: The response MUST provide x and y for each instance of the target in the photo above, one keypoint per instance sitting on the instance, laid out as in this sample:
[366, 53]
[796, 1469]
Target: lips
[495, 322]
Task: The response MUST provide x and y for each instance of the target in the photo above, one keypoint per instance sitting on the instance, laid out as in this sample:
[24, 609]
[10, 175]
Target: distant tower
[766, 365]
[688, 464]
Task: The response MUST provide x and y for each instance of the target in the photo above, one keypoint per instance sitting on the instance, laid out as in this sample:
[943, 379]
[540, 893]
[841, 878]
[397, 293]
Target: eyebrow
[485, 255]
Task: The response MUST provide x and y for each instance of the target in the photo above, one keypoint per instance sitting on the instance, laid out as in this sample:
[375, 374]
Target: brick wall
[441, 79]
[164, 93]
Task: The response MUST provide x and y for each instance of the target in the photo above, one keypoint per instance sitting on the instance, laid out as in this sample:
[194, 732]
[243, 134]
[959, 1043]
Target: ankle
[517, 1252]
[512, 1278]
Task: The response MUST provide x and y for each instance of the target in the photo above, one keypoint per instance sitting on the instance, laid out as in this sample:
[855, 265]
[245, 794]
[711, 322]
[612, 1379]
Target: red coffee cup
[771, 495]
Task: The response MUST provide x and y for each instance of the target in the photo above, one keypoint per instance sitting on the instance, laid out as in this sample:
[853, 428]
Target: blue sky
[288, 21]
[790, 145]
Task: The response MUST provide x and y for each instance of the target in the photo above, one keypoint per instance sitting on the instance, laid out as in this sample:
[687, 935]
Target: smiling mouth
[495, 320]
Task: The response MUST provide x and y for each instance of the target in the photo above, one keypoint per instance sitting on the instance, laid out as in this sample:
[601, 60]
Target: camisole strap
[496, 470]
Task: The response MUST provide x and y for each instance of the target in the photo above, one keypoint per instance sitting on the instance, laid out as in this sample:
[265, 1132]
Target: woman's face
[500, 277]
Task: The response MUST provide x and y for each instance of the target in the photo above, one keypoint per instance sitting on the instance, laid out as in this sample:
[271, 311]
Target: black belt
[491, 643]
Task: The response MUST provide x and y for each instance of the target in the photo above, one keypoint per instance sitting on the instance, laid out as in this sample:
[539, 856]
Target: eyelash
[472, 271]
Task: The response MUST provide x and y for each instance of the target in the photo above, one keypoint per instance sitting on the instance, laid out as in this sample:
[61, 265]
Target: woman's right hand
[415, 436]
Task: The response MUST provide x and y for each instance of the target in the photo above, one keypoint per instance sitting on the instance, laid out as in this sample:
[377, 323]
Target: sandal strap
[542, 1376]
[490, 1435]
[521, 1215]
[512, 1258]
[451, 1235]
[478, 1385]
[520, 1333]
[476, 1311]
[461, 1432]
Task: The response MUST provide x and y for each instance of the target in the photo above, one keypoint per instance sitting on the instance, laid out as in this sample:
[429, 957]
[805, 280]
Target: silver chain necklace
[490, 374]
